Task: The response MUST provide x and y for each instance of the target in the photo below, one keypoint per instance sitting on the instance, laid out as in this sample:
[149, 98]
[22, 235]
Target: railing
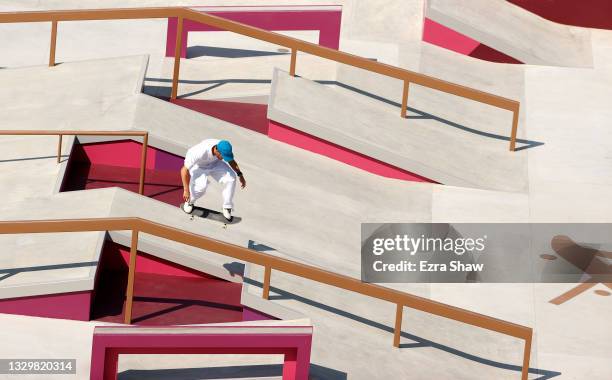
[269, 262]
[61, 134]
[295, 45]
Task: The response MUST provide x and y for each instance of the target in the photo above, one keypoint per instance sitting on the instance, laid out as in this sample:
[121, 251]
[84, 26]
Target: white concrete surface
[228, 78]
[284, 208]
[95, 95]
[449, 111]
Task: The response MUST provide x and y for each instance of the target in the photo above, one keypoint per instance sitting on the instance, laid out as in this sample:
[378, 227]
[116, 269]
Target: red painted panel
[313, 144]
[74, 306]
[247, 115]
[119, 153]
[585, 13]
[117, 164]
[116, 257]
[165, 293]
[327, 22]
[442, 36]
[295, 346]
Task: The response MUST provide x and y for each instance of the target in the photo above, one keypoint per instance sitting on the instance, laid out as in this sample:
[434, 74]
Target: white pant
[221, 172]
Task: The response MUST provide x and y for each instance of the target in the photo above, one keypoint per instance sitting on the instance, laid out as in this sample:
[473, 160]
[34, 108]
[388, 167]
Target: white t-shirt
[201, 155]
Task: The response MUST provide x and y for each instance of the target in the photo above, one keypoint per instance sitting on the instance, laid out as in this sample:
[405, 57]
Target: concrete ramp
[420, 145]
[515, 31]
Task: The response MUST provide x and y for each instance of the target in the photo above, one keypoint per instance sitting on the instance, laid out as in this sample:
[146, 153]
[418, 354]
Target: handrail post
[398, 325]
[515, 116]
[526, 357]
[177, 57]
[59, 148]
[143, 163]
[266, 283]
[405, 99]
[131, 274]
[293, 61]
[53, 43]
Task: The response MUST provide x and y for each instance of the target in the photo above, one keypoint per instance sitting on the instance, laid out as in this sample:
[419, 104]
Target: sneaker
[187, 207]
[227, 213]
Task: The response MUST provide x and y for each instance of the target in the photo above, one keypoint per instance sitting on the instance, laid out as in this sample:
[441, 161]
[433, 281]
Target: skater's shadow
[206, 213]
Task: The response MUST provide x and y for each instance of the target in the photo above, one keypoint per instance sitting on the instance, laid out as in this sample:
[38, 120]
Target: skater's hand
[242, 182]
[186, 195]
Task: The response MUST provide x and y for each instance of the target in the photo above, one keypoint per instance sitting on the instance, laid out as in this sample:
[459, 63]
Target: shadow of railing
[317, 372]
[9, 272]
[419, 342]
[164, 93]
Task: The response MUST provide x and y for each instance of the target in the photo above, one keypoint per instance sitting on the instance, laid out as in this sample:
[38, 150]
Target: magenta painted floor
[95, 166]
[247, 115]
[164, 293]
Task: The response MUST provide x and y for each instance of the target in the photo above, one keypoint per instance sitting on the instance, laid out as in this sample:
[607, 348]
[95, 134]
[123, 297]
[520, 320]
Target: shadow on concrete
[317, 372]
[31, 158]
[220, 52]
[164, 93]
[179, 304]
[425, 115]
[9, 272]
[235, 268]
[259, 247]
[418, 342]
[217, 216]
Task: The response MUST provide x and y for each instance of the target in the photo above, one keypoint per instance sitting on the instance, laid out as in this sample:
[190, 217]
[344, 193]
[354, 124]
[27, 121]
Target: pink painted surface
[74, 306]
[314, 144]
[327, 22]
[249, 314]
[119, 153]
[147, 264]
[295, 347]
[117, 164]
[165, 293]
[439, 35]
[127, 154]
[247, 115]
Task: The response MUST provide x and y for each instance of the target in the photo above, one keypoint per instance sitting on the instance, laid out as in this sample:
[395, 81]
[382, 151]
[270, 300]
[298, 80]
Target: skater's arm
[186, 178]
[234, 166]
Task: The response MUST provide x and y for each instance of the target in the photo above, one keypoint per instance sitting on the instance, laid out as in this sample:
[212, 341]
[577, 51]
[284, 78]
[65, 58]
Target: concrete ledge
[59, 286]
[421, 146]
[515, 31]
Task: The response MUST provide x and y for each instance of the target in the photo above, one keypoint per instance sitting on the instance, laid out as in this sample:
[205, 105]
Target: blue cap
[225, 148]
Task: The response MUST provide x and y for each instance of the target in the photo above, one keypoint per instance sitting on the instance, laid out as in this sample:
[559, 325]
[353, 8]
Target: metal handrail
[143, 134]
[270, 262]
[294, 44]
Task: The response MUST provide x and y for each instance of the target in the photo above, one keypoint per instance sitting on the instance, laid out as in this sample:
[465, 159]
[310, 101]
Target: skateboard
[211, 214]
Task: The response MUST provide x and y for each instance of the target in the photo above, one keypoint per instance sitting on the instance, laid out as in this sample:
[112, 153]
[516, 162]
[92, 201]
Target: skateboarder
[213, 158]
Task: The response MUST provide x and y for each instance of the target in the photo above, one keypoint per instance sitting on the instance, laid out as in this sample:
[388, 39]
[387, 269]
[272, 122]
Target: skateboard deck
[212, 215]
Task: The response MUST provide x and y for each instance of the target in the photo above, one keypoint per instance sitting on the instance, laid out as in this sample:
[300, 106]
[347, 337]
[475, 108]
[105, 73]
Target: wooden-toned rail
[269, 262]
[61, 134]
[295, 45]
